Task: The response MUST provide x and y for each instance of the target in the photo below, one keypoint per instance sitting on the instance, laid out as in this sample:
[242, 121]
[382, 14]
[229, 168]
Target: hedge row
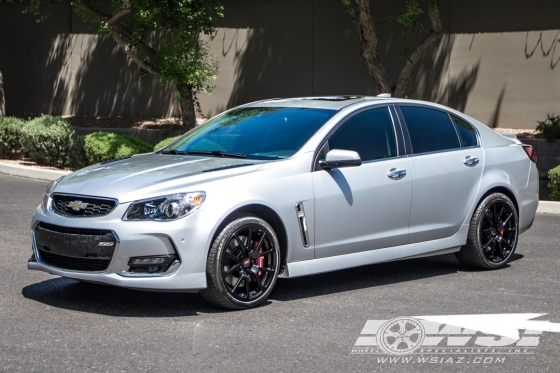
[554, 183]
[51, 141]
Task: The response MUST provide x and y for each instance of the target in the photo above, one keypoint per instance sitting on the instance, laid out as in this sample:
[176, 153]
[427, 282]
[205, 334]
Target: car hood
[148, 174]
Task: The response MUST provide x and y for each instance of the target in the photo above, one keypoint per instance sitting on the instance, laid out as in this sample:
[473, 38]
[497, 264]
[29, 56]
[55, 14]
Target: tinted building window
[466, 132]
[430, 130]
[370, 133]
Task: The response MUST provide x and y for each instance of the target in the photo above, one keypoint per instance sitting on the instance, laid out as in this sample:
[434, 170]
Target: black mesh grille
[76, 264]
[81, 231]
[81, 205]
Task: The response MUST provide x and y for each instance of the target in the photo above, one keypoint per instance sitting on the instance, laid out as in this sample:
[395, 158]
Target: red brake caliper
[260, 260]
[501, 233]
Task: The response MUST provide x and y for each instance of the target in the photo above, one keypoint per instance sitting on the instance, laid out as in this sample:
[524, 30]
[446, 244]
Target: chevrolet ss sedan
[287, 188]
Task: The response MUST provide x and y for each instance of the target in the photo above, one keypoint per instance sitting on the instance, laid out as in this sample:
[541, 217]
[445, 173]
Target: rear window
[466, 132]
[430, 130]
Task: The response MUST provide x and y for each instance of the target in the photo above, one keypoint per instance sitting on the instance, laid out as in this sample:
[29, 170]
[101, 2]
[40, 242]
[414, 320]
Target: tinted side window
[430, 130]
[466, 132]
[370, 133]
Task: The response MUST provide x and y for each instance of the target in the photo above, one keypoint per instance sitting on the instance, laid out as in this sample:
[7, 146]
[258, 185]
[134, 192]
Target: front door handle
[471, 162]
[396, 174]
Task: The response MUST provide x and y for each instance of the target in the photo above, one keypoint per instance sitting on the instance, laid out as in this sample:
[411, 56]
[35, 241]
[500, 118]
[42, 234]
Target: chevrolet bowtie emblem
[77, 205]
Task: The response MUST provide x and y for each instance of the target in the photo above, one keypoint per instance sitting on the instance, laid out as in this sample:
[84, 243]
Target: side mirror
[337, 158]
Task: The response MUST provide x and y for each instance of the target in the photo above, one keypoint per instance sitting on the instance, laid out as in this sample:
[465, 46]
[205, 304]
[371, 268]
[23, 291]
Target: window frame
[321, 150]
[408, 142]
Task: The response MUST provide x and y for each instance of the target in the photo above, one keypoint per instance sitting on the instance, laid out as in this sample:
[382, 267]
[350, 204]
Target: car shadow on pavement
[114, 301]
[369, 276]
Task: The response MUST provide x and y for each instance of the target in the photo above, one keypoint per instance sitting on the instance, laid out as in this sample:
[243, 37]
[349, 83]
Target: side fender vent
[300, 211]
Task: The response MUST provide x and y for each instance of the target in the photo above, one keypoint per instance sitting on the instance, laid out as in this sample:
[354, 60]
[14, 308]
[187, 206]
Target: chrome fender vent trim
[300, 212]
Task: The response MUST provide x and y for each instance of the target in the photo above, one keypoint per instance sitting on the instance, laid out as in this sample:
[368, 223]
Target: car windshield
[254, 133]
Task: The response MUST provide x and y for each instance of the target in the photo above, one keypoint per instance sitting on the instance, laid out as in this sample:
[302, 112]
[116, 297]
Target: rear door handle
[396, 174]
[471, 162]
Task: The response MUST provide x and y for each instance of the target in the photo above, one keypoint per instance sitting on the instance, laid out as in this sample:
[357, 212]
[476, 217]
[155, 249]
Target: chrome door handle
[396, 174]
[471, 162]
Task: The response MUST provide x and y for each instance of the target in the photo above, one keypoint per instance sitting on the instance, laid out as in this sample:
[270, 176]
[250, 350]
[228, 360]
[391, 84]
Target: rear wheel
[493, 233]
[242, 264]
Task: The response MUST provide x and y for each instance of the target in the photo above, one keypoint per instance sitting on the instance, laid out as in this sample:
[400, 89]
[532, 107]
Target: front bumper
[187, 239]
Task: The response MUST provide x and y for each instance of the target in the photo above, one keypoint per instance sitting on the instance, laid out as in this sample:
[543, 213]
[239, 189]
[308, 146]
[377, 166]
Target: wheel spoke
[233, 257]
[486, 216]
[396, 343]
[501, 211]
[247, 281]
[416, 330]
[505, 221]
[260, 241]
[231, 270]
[267, 270]
[237, 284]
[408, 342]
[266, 252]
[243, 248]
[249, 240]
[495, 213]
[258, 280]
[488, 243]
[390, 333]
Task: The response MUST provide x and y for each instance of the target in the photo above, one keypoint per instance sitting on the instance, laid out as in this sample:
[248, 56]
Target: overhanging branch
[420, 50]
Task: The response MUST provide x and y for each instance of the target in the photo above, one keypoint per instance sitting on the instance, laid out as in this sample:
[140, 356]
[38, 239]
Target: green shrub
[78, 153]
[50, 141]
[554, 183]
[164, 143]
[550, 127]
[10, 136]
[104, 146]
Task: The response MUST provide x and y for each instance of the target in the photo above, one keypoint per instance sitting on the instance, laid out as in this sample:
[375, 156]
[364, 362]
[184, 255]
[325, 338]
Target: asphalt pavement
[309, 324]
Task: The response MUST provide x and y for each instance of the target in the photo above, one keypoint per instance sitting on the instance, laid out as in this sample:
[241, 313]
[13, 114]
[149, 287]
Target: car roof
[489, 137]
[319, 102]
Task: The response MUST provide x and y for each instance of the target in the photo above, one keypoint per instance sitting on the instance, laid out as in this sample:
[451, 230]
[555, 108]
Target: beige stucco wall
[498, 61]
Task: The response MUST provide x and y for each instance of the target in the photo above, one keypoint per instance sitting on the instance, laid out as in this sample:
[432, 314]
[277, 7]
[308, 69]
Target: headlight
[47, 194]
[165, 208]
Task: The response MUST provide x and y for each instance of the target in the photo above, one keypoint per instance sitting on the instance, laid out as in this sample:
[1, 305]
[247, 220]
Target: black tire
[241, 275]
[493, 234]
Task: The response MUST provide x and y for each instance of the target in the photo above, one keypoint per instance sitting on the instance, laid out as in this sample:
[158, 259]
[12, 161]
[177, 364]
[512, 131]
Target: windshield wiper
[173, 152]
[216, 153]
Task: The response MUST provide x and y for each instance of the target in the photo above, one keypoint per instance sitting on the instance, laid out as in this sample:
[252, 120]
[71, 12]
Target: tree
[163, 37]
[365, 24]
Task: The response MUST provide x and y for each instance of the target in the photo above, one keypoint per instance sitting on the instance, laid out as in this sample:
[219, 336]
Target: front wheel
[243, 264]
[493, 233]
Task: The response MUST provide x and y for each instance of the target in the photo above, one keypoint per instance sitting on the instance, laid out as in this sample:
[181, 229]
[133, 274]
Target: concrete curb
[545, 207]
[31, 172]
[549, 207]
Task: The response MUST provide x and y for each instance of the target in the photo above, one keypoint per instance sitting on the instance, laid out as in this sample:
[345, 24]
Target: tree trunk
[2, 102]
[367, 35]
[186, 101]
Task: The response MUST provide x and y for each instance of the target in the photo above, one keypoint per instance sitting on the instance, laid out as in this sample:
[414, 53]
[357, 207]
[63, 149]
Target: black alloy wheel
[493, 233]
[243, 264]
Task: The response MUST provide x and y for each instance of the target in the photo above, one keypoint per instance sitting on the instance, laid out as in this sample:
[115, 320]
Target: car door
[365, 207]
[446, 162]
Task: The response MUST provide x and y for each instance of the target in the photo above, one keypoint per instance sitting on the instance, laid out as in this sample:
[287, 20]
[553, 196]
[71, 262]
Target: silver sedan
[286, 188]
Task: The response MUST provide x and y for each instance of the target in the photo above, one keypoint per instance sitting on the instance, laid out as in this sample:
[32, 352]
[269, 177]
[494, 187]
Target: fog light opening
[151, 264]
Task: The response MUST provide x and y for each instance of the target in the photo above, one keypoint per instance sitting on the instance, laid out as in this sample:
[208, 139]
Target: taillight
[531, 153]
